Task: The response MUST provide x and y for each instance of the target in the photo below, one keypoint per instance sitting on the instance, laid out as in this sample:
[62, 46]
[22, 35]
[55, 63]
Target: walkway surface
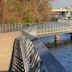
[64, 55]
[6, 45]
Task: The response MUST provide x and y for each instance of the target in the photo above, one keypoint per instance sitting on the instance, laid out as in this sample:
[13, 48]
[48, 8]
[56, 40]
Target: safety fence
[24, 56]
[38, 28]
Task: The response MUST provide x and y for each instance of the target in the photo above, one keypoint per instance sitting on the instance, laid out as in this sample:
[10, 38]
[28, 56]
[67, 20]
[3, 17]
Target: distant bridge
[61, 10]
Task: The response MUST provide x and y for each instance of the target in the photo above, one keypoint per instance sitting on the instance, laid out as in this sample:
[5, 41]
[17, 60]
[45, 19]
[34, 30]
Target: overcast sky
[61, 3]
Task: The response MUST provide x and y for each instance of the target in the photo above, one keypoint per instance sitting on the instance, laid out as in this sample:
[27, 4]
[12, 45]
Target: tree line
[23, 11]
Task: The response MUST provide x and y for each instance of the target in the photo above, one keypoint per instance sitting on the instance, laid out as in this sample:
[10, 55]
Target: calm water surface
[63, 53]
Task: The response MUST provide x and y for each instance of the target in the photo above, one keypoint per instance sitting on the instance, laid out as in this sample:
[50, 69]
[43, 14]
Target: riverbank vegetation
[24, 11]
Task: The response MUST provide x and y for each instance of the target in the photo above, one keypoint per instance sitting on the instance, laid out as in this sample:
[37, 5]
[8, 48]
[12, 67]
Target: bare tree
[20, 11]
[41, 10]
[1, 10]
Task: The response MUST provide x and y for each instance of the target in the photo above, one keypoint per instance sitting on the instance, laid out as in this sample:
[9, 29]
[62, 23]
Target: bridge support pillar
[71, 36]
[57, 39]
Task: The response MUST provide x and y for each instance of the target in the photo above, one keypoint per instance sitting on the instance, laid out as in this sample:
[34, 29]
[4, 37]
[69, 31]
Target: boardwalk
[6, 45]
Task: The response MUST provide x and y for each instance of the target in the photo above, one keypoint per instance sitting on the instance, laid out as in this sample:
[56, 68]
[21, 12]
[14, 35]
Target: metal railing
[30, 57]
[49, 28]
[24, 57]
[38, 28]
[53, 28]
[4, 28]
[16, 64]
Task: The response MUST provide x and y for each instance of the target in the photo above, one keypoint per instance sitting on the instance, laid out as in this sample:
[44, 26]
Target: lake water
[51, 38]
[63, 53]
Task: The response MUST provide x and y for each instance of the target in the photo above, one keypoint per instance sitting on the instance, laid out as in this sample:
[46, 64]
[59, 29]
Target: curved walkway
[6, 45]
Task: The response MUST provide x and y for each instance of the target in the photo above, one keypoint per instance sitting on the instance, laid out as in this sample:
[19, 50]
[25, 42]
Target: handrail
[36, 29]
[11, 62]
